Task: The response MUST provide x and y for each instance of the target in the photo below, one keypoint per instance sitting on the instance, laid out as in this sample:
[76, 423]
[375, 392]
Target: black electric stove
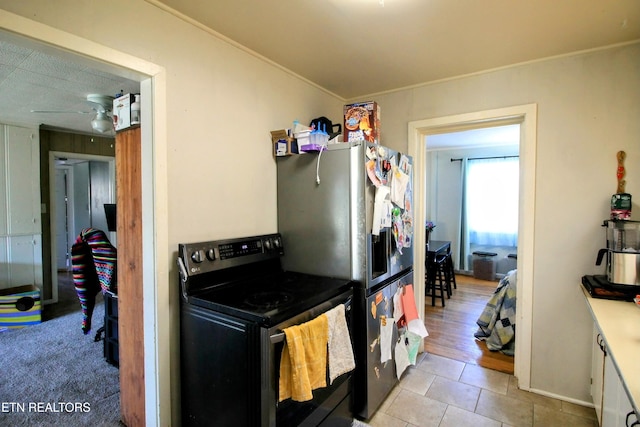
[243, 277]
[269, 300]
[236, 301]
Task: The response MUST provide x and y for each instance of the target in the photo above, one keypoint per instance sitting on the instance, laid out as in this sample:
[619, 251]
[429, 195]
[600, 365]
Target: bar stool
[436, 283]
[445, 272]
[450, 272]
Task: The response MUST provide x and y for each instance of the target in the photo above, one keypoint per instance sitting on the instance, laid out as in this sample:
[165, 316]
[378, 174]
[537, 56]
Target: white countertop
[619, 323]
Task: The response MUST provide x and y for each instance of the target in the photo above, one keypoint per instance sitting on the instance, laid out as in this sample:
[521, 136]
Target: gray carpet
[52, 374]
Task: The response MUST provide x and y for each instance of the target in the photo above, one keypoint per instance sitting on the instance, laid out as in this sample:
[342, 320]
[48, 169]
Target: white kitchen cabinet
[20, 220]
[597, 371]
[607, 389]
[610, 395]
[617, 323]
[615, 402]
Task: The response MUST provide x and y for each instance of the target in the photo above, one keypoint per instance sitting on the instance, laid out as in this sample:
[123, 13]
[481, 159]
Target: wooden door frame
[526, 115]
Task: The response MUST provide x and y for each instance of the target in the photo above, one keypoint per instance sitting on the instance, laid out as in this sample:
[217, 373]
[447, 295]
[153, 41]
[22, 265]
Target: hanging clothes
[94, 268]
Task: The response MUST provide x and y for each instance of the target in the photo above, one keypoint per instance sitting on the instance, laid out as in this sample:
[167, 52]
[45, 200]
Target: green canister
[621, 206]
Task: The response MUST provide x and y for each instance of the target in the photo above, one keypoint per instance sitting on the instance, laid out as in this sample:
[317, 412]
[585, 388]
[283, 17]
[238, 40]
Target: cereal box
[362, 122]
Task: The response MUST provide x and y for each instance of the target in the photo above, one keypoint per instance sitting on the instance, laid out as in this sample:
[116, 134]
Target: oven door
[325, 400]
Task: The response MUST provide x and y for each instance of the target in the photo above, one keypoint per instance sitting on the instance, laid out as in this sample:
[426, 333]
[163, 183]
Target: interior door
[63, 245]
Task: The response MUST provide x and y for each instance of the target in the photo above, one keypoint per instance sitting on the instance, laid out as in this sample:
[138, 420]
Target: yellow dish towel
[303, 365]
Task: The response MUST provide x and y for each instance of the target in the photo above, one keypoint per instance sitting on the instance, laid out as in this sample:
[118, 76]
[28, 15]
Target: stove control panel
[204, 257]
[201, 255]
[232, 250]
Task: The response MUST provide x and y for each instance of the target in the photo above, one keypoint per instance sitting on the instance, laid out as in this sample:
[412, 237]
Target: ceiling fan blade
[62, 112]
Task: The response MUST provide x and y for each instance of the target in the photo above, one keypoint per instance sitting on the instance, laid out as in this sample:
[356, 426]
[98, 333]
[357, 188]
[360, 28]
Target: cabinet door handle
[600, 342]
[635, 423]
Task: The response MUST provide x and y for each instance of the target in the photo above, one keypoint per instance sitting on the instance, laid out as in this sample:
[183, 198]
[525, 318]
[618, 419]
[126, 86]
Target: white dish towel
[340, 350]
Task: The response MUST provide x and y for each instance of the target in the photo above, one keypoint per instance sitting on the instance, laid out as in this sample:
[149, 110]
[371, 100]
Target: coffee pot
[324, 124]
[622, 252]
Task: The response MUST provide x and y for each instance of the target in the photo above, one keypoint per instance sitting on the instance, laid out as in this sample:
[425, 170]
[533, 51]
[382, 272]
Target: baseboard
[563, 398]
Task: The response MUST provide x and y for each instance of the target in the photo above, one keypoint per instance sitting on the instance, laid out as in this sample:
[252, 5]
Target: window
[492, 201]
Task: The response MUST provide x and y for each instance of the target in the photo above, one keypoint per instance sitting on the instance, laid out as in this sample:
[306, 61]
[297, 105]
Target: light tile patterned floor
[443, 392]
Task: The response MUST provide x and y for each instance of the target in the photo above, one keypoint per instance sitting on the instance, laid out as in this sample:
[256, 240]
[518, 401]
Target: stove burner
[268, 300]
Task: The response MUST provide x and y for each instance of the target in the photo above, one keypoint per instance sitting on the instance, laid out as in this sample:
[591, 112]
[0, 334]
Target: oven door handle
[276, 338]
[183, 270]
[280, 336]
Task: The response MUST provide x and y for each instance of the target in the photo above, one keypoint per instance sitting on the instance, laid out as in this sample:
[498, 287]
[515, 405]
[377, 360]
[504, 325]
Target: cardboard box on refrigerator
[122, 111]
[283, 144]
[362, 122]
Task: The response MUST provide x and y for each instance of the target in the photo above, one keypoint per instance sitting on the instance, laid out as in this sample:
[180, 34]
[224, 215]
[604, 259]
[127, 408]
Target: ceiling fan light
[102, 123]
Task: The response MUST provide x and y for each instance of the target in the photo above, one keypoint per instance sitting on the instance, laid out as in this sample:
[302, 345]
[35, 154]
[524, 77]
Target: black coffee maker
[619, 281]
[324, 124]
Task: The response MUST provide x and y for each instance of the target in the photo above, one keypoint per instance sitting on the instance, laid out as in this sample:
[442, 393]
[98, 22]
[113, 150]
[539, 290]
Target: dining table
[437, 247]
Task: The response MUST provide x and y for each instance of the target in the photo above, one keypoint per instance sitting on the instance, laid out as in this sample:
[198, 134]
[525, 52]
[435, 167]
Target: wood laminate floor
[451, 328]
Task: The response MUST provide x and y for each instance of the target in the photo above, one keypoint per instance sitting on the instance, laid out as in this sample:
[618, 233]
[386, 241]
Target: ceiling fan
[101, 106]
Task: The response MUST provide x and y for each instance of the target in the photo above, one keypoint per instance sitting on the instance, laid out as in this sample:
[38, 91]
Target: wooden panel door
[129, 234]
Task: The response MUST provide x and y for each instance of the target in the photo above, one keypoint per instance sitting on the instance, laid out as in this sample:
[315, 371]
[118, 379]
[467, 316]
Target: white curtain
[490, 203]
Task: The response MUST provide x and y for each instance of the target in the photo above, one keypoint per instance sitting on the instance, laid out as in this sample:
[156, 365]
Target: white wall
[588, 109]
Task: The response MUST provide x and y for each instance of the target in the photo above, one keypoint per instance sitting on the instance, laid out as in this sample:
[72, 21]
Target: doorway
[155, 285]
[80, 186]
[472, 198]
[526, 116]
[467, 198]
[63, 238]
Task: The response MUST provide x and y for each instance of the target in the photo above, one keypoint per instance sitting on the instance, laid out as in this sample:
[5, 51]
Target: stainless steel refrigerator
[346, 212]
